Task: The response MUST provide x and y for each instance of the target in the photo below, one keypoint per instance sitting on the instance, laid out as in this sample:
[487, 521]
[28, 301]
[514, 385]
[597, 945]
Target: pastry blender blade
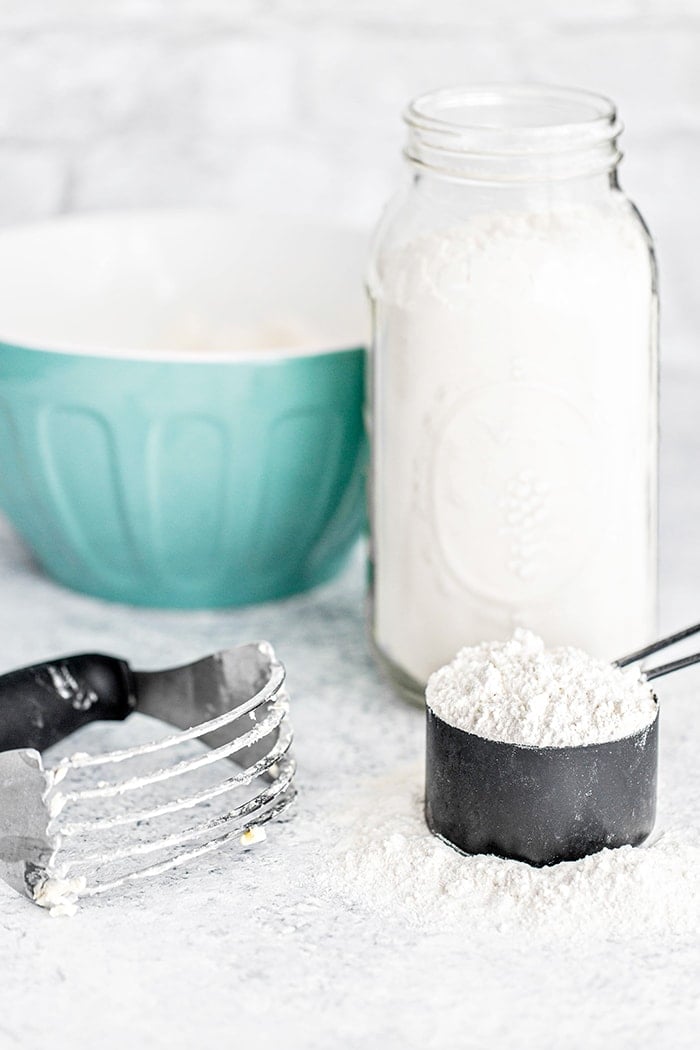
[88, 823]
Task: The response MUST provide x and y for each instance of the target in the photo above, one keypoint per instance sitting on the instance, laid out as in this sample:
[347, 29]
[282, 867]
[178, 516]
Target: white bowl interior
[182, 283]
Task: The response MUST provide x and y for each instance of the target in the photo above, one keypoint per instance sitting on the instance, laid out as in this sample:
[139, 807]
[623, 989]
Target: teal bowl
[181, 403]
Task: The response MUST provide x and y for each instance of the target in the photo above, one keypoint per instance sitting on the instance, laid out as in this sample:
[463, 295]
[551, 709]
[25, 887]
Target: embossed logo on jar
[516, 497]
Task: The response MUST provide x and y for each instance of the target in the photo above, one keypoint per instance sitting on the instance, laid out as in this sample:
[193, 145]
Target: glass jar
[512, 405]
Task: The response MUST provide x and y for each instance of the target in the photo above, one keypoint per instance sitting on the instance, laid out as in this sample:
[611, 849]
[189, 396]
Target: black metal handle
[656, 647]
[674, 665]
[43, 704]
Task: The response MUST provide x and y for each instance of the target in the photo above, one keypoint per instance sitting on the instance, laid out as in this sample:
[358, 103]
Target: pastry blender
[83, 824]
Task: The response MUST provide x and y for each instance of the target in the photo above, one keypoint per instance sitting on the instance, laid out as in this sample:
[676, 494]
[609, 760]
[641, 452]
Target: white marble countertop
[245, 950]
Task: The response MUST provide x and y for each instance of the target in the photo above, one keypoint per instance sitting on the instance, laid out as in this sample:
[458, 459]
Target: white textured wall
[296, 103]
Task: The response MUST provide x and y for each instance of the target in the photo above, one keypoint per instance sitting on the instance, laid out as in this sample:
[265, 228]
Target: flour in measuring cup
[523, 693]
[514, 464]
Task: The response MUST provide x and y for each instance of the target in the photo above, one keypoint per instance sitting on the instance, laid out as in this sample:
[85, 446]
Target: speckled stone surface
[244, 948]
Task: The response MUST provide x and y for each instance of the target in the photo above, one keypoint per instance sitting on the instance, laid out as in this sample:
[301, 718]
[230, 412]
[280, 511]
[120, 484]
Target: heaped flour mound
[523, 693]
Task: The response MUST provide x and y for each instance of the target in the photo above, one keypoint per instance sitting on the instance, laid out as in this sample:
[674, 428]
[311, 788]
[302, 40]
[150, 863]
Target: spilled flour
[386, 861]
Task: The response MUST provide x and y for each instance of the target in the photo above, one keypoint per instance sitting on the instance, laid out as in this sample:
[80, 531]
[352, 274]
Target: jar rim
[518, 121]
[439, 110]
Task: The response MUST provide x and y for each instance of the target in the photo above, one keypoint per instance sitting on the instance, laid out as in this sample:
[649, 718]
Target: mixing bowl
[180, 403]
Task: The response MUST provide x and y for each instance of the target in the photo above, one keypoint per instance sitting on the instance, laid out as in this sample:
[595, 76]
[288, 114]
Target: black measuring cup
[545, 804]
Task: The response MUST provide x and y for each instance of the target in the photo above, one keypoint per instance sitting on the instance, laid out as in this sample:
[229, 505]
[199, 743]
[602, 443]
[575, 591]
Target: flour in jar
[513, 439]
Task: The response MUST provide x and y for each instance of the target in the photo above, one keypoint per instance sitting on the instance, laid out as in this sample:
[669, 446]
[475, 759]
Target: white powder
[523, 693]
[387, 862]
[59, 895]
[514, 435]
[194, 332]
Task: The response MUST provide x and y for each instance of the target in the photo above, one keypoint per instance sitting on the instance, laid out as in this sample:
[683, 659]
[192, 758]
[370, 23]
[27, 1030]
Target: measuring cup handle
[674, 665]
[657, 647]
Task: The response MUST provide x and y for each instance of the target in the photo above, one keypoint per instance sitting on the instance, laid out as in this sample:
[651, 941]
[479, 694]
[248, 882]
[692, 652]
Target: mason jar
[512, 404]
